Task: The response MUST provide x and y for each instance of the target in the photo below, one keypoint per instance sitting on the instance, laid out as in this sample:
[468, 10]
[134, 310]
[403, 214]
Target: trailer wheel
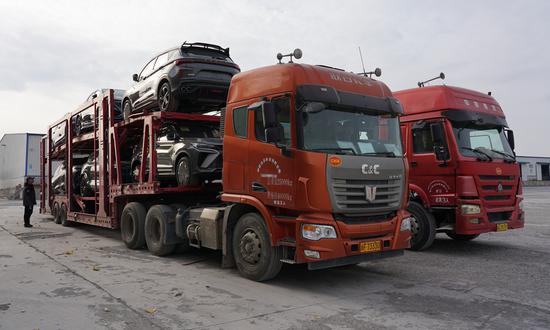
[155, 229]
[460, 237]
[255, 258]
[183, 246]
[55, 213]
[422, 227]
[63, 215]
[132, 225]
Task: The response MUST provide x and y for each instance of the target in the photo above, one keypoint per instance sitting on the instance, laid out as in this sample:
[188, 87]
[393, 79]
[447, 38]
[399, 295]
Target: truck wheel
[55, 213]
[255, 258]
[127, 110]
[183, 246]
[132, 225]
[155, 229]
[63, 215]
[165, 98]
[460, 237]
[422, 227]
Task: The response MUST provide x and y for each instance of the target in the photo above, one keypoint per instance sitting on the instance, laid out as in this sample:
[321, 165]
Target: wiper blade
[384, 153]
[510, 157]
[479, 151]
[336, 150]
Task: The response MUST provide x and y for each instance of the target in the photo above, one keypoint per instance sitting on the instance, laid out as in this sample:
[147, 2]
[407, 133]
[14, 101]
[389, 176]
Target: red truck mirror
[510, 137]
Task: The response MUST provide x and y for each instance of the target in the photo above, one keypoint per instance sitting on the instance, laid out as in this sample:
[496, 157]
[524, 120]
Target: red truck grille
[351, 194]
[498, 190]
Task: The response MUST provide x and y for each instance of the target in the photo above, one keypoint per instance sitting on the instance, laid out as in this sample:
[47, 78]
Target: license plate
[370, 246]
[502, 226]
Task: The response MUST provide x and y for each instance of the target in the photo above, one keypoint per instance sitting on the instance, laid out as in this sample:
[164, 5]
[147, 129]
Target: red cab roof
[437, 98]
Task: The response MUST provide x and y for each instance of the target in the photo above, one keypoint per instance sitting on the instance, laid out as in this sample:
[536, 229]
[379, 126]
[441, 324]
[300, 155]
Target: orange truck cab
[314, 154]
[464, 179]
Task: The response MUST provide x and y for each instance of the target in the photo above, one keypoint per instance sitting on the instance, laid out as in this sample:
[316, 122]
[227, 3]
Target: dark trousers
[27, 216]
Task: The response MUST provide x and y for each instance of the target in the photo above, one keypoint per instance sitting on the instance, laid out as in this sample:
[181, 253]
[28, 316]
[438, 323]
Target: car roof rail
[206, 46]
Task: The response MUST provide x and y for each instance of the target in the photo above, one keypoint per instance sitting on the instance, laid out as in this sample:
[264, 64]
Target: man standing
[29, 200]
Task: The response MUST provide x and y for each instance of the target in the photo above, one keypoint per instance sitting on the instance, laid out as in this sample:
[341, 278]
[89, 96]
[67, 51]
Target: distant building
[19, 158]
[535, 169]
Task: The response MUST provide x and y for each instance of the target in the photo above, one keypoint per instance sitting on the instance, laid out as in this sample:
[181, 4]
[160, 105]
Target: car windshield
[204, 53]
[198, 131]
[474, 140]
[351, 132]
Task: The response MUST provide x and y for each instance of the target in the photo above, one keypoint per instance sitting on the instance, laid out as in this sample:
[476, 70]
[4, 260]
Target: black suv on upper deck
[192, 78]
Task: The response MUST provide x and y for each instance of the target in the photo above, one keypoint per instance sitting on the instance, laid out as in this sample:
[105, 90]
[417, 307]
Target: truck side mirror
[171, 136]
[511, 141]
[438, 137]
[268, 115]
[135, 77]
[273, 134]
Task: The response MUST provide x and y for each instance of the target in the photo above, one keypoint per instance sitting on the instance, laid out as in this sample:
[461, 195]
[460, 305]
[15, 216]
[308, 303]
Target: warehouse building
[535, 170]
[19, 158]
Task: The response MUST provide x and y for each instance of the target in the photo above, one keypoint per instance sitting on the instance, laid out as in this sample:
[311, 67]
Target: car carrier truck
[464, 179]
[313, 172]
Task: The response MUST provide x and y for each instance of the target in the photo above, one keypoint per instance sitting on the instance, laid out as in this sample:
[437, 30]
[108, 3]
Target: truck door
[433, 174]
[271, 167]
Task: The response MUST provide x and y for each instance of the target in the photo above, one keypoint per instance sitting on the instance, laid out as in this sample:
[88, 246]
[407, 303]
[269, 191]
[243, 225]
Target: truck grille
[351, 194]
[498, 190]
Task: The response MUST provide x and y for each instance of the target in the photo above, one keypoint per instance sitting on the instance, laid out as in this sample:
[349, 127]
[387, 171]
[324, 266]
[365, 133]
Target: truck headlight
[470, 209]
[520, 205]
[405, 224]
[316, 232]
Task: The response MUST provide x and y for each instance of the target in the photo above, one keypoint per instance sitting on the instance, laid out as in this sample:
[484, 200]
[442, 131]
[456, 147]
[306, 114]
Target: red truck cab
[464, 179]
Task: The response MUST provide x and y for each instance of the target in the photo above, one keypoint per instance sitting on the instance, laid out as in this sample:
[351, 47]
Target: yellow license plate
[502, 226]
[370, 246]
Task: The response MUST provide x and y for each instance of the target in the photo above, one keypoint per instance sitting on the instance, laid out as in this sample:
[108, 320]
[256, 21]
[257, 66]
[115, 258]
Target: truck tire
[156, 223]
[55, 213]
[63, 215]
[459, 237]
[132, 225]
[422, 227]
[183, 246]
[254, 256]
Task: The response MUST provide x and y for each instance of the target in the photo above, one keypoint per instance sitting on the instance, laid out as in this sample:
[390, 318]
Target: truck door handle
[414, 164]
[256, 186]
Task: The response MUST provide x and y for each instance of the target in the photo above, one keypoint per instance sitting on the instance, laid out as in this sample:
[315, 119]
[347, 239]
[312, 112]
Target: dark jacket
[29, 196]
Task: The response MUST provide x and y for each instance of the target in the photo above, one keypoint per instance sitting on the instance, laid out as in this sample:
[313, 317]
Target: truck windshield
[350, 132]
[474, 140]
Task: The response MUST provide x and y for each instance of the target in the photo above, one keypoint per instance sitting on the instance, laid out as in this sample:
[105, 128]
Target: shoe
[29, 226]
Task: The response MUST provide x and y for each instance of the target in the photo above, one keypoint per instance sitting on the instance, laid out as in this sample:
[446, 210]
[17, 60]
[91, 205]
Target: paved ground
[53, 277]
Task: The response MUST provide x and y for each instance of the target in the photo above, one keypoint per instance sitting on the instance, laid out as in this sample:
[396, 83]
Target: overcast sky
[54, 53]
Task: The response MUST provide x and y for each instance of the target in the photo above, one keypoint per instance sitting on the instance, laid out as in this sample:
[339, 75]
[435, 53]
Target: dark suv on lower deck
[192, 78]
[188, 153]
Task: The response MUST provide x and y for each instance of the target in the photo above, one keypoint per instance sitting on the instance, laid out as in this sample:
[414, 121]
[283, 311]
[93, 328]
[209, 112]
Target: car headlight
[470, 209]
[405, 224]
[317, 232]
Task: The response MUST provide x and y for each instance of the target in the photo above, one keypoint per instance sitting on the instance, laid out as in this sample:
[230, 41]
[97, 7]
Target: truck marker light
[335, 161]
[312, 254]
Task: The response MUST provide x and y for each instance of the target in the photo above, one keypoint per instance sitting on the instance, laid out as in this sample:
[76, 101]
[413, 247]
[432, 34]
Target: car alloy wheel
[164, 97]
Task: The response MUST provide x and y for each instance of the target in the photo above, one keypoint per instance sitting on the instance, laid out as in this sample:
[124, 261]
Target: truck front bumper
[490, 219]
[349, 245]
